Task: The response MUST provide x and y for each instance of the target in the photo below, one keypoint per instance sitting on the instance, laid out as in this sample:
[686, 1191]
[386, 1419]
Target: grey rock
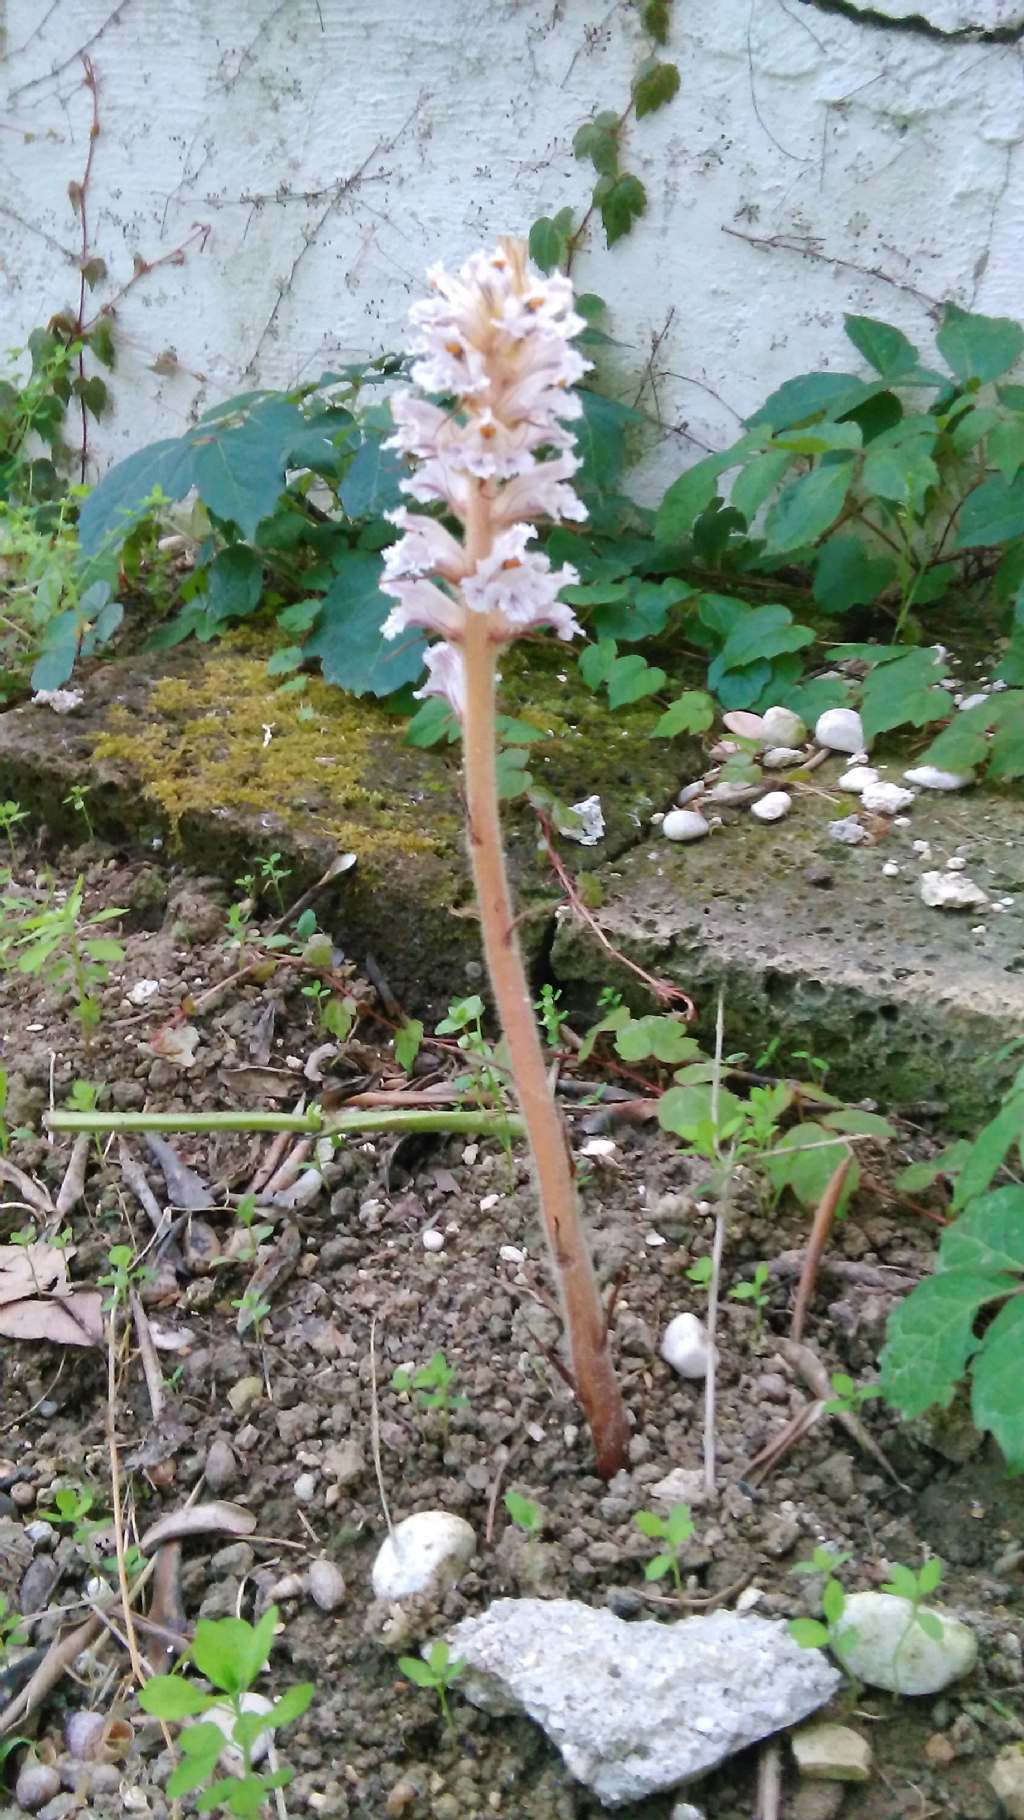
[38, 1583]
[1007, 1779]
[221, 1467]
[637, 1709]
[831, 1753]
[890, 1651]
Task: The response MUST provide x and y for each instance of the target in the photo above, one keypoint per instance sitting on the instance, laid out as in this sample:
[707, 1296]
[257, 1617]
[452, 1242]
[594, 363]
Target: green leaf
[657, 1567]
[433, 721]
[901, 470]
[848, 575]
[902, 1582]
[655, 84]
[239, 472]
[978, 348]
[883, 347]
[989, 1235]
[291, 1706]
[811, 395]
[693, 491]
[370, 486]
[973, 426]
[234, 583]
[655, 20]
[989, 1150]
[683, 1110]
[904, 692]
[230, 1652]
[757, 480]
[600, 436]
[407, 1041]
[996, 1400]
[284, 660]
[650, 1524]
[804, 1160]
[348, 639]
[548, 245]
[993, 513]
[930, 1575]
[171, 1697]
[522, 1510]
[819, 439]
[664, 1038]
[693, 712]
[763, 632]
[420, 1673]
[858, 1123]
[631, 679]
[833, 1601]
[808, 1633]
[595, 662]
[114, 507]
[1006, 445]
[599, 143]
[641, 614]
[807, 507]
[621, 201]
[929, 1623]
[931, 1337]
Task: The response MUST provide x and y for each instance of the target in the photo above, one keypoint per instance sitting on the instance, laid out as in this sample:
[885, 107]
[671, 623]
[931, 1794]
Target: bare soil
[372, 1745]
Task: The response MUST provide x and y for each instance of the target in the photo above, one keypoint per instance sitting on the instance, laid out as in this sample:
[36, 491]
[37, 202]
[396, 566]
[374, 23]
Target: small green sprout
[71, 1506]
[436, 1671]
[549, 1012]
[252, 1311]
[828, 1632]
[11, 813]
[849, 1396]
[529, 1517]
[11, 1632]
[674, 1530]
[432, 1384]
[231, 1654]
[272, 873]
[124, 1275]
[75, 799]
[755, 1291]
[700, 1273]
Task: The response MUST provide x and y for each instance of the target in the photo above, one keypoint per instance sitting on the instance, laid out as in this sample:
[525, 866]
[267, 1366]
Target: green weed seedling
[673, 1530]
[252, 1312]
[755, 1291]
[437, 1671]
[432, 1384]
[123, 1276]
[63, 946]
[71, 1511]
[700, 1273]
[529, 1517]
[11, 813]
[904, 1583]
[849, 1396]
[231, 1654]
[11, 1631]
[549, 1012]
[465, 1022]
[75, 799]
[256, 1230]
[272, 873]
[335, 1016]
[828, 1632]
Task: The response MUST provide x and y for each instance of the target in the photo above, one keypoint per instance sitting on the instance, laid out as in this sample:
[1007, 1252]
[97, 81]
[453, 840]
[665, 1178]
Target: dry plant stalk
[496, 338]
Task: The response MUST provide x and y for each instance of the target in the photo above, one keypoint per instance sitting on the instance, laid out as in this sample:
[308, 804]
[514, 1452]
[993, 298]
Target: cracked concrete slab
[814, 944]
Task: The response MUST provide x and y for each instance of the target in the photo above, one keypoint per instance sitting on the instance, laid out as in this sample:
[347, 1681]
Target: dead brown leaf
[31, 1270]
[69, 1320]
[219, 1517]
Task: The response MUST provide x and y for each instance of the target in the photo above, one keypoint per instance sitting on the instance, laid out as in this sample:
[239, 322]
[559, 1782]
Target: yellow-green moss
[222, 737]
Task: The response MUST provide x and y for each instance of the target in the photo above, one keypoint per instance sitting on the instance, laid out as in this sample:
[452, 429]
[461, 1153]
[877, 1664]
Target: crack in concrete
[917, 26]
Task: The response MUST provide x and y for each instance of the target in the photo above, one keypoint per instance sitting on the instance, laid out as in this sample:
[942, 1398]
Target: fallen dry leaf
[33, 1192]
[176, 1043]
[31, 1270]
[219, 1517]
[69, 1320]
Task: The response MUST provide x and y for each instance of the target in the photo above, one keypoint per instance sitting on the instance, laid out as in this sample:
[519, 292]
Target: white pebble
[772, 807]
[781, 727]
[143, 991]
[432, 1240]
[689, 793]
[223, 1717]
[886, 799]
[511, 1254]
[684, 824]
[928, 777]
[744, 724]
[923, 847]
[424, 1553]
[654, 1239]
[973, 701]
[840, 729]
[848, 832]
[599, 1149]
[586, 824]
[326, 1584]
[779, 758]
[857, 778]
[684, 1346]
[890, 869]
[956, 864]
[946, 891]
[489, 1201]
[304, 1488]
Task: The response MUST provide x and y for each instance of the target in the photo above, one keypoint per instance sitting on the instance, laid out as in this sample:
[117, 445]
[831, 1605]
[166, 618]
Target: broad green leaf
[901, 470]
[978, 347]
[929, 1623]
[848, 575]
[808, 1632]
[115, 506]
[693, 712]
[833, 1601]
[883, 347]
[650, 1524]
[600, 436]
[1006, 758]
[809, 396]
[996, 1400]
[172, 1697]
[655, 18]
[416, 1671]
[595, 662]
[807, 507]
[657, 1567]
[239, 472]
[930, 1575]
[921, 1175]
[757, 480]
[819, 439]
[370, 486]
[858, 1123]
[548, 246]
[234, 583]
[348, 640]
[432, 722]
[600, 143]
[655, 84]
[642, 613]
[993, 513]
[695, 488]
[291, 1706]
[931, 1337]
[762, 633]
[664, 1038]
[973, 426]
[684, 1110]
[904, 693]
[990, 1150]
[805, 1160]
[621, 200]
[408, 1038]
[902, 1581]
[1006, 445]
[989, 1235]
[631, 679]
[230, 1652]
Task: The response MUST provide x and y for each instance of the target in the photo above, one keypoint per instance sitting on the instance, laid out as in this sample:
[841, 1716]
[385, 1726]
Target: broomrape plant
[495, 342]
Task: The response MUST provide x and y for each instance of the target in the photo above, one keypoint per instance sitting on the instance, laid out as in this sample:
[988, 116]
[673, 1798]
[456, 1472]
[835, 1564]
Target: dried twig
[72, 1187]
[711, 1381]
[115, 1496]
[821, 1226]
[769, 1783]
[375, 1428]
[147, 1353]
[847, 1270]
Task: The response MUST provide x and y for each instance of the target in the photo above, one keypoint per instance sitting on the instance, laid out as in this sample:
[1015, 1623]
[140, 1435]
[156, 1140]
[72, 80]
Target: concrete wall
[821, 155]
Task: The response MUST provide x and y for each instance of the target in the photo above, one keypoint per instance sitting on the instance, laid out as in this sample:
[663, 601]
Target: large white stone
[781, 727]
[684, 1346]
[639, 1708]
[425, 1553]
[840, 729]
[950, 891]
[881, 798]
[684, 824]
[889, 1651]
[929, 777]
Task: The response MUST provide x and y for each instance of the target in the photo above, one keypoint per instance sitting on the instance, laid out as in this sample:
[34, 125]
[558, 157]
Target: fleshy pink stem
[586, 1324]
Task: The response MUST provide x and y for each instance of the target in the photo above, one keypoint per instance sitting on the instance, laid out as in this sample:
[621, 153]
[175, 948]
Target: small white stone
[840, 729]
[772, 807]
[973, 701]
[848, 832]
[326, 1584]
[929, 777]
[689, 793]
[683, 1485]
[685, 1810]
[654, 1239]
[857, 778]
[889, 1650]
[62, 701]
[511, 1254]
[684, 1346]
[744, 724]
[657, 818]
[304, 1489]
[1007, 1780]
[778, 758]
[587, 824]
[432, 1240]
[886, 799]
[142, 991]
[946, 891]
[231, 1758]
[781, 727]
[684, 824]
[424, 1553]
[489, 1201]
[600, 1150]
[890, 869]
[749, 1597]
[923, 847]
[956, 864]
[831, 1753]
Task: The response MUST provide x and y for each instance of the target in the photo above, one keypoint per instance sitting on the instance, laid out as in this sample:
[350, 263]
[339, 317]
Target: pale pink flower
[420, 603]
[543, 492]
[446, 676]
[427, 548]
[521, 587]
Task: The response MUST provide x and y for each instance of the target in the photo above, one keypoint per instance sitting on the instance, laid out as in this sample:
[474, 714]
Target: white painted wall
[333, 147]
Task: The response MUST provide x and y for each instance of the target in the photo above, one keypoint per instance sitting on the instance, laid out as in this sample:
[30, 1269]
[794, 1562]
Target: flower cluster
[496, 341]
